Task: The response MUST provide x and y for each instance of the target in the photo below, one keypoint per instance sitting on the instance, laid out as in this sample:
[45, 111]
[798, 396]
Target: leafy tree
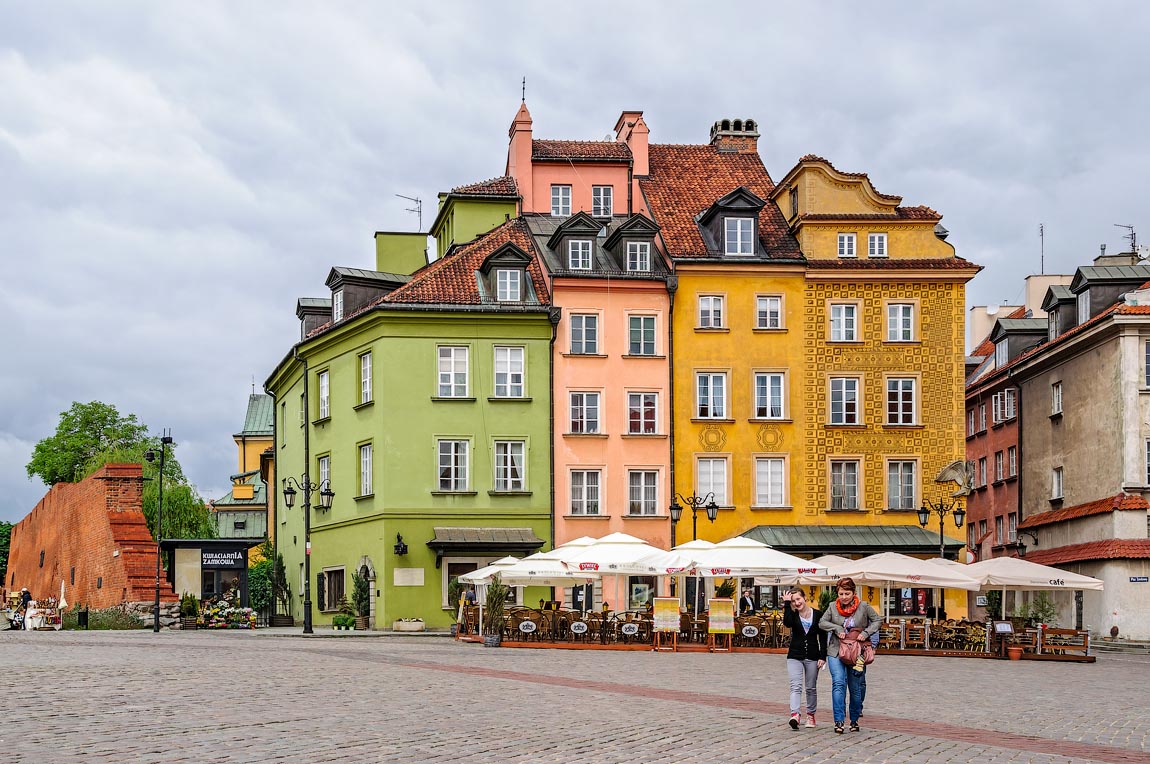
[85, 430]
[260, 584]
[5, 541]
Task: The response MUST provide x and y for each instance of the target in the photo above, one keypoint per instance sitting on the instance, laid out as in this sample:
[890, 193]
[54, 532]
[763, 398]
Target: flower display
[226, 614]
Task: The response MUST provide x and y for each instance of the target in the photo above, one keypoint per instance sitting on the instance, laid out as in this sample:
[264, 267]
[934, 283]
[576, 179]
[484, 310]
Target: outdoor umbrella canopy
[487, 572]
[564, 550]
[691, 547]
[1023, 575]
[894, 568]
[621, 554]
[542, 570]
[825, 568]
[741, 556]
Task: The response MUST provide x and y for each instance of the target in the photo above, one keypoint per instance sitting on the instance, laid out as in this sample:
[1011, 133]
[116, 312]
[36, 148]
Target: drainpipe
[553, 315]
[672, 287]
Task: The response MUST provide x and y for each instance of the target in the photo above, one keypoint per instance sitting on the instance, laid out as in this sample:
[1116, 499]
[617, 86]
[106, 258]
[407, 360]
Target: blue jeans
[842, 681]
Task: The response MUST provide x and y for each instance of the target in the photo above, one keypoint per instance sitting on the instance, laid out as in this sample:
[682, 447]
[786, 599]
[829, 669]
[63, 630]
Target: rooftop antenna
[1132, 236]
[1041, 248]
[417, 209]
[253, 384]
[523, 93]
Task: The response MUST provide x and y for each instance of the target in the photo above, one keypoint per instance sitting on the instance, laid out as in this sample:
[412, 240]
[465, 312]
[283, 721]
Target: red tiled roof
[1110, 549]
[602, 151]
[686, 180]
[501, 186]
[900, 213]
[1134, 310]
[1101, 506]
[875, 264]
[827, 162]
[451, 279]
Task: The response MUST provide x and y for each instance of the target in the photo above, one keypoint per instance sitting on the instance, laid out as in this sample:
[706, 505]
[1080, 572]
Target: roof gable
[508, 255]
[637, 226]
[739, 201]
[580, 224]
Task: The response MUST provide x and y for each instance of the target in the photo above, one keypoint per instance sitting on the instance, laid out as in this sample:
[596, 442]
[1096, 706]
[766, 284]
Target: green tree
[5, 541]
[85, 430]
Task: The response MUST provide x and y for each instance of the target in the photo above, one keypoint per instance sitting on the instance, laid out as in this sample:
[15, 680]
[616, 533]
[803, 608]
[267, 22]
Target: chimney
[633, 131]
[735, 136]
[519, 155]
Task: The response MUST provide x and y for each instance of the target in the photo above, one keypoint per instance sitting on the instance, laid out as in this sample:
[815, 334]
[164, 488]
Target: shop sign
[1140, 579]
[216, 558]
[721, 616]
[666, 614]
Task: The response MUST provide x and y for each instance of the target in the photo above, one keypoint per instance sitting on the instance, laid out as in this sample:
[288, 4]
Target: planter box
[492, 640]
[361, 622]
[408, 626]
[341, 628]
[187, 623]
[281, 621]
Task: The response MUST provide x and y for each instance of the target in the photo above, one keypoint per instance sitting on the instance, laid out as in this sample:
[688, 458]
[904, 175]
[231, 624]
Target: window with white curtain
[452, 372]
[585, 492]
[509, 372]
[365, 469]
[642, 492]
[711, 396]
[712, 478]
[365, 378]
[770, 481]
[509, 465]
[453, 463]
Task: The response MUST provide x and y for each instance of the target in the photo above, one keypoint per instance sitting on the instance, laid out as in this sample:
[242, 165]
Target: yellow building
[244, 511]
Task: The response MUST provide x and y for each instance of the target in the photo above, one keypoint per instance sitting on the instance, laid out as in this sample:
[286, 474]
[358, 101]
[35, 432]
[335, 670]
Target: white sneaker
[810, 721]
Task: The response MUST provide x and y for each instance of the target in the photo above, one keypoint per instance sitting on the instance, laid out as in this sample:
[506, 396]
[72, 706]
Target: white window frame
[452, 371]
[901, 485]
[1056, 397]
[1012, 527]
[710, 395]
[453, 466]
[646, 483]
[1001, 353]
[602, 201]
[1012, 461]
[337, 305]
[583, 412]
[560, 200]
[324, 384]
[739, 236]
[508, 284]
[1056, 483]
[711, 477]
[712, 310]
[771, 481]
[586, 489]
[1082, 305]
[847, 245]
[970, 422]
[584, 333]
[769, 311]
[999, 466]
[365, 469]
[900, 322]
[845, 485]
[981, 475]
[999, 531]
[639, 256]
[844, 322]
[579, 254]
[1146, 373]
[646, 326]
[510, 466]
[510, 371]
[643, 402]
[323, 470]
[1051, 324]
[876, 245]
[982, 417]
[365, 377]
[848, 392]
[770, 392]
[897, 389]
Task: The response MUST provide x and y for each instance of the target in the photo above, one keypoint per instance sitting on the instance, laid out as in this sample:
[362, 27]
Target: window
[794, 202]
[844, 400]
[876, 245]
[1083, 305]
[1056, 483]
[365, 378]
[846, 245]
[642, 413]
[1148, 462]
[713, 479]
[844, 325]
[970, 422]
[509, 465]
[642, 492]
[1012, 461]
[1001, 353]
[982, 472]
[1012, 527]
[329, 589]
[982, 529]
[999, 466]
[641, 335]
[302, 410]
[584, 412]
[900, 484]
[601, 201]
[1146, 373]
[998, 535]
[638, 256]
[710, 312]
[711, 396]
[507, 285]
[737, 236]
[982, 417]
[769, 396]
[579, 255]
[508, 372]
[561, 201]
[452, 372]
[365, 470]
[1056, 398]
[900, 322]
[585, 492]
[1003, 405]
[323, 469]
[283, 423]
[770, 482]
[453, 465]
[337, 305]
[844, 485]
[324, 395]
[1051, 325]
[900, 400]
[584, 334]
[768, 312]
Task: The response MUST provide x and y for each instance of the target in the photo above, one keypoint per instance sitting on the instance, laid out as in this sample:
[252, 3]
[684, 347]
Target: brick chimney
[736, 136]
[633, 131]
[519, 155]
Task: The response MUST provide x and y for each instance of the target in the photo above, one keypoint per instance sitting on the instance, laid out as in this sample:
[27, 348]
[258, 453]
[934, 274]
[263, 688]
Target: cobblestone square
[255, 697]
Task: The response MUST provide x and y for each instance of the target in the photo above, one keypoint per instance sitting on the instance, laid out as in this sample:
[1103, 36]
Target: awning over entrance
[851, 539]
[460, 541]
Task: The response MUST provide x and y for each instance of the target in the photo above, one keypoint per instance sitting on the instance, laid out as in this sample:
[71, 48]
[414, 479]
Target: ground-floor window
[640, 592]
[329, 588]
[453, 567]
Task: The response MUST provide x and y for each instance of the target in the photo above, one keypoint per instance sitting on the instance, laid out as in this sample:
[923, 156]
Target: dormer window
[638, 256]
[738, 236]
[876, 245]
[337, 305]
[579, 255]
[601, 201]
[1001, 354]
[508, 285]
[794, 202]
[846, 245]
[1051, 325]
[1083, 307]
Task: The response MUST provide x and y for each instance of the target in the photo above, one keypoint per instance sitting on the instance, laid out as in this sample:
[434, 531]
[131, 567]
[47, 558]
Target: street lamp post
[149, 457]
[325, 497]
[942, 508]
[694, 502]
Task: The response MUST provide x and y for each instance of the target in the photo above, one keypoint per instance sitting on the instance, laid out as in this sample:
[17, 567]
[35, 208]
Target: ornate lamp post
[325, 497]
[694, 502]
[149, 457]
[942, 508]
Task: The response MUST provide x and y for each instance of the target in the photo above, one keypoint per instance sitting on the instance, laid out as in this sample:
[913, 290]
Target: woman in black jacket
[806, 655]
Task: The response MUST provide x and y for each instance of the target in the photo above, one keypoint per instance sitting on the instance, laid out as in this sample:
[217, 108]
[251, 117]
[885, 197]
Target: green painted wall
[461, 220]
[400, 252]
[403, 423]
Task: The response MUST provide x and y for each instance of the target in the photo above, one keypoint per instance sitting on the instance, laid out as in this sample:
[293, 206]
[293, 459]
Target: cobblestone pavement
[250, 697]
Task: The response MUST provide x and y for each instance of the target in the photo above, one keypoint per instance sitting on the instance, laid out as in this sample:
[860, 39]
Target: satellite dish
[991, 310]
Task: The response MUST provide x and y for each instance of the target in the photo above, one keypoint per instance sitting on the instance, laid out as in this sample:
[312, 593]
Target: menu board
[721, 616]
[666, 614]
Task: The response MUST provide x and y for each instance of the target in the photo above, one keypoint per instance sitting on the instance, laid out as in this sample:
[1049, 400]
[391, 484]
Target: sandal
[838, 728]
[854, 726]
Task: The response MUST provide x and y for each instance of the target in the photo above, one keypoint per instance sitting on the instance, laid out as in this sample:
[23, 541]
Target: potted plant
[408, 624]
[361, 600]
[493, 617]
[342, 622]
[189, 611]
[725, 590]
[455, 589]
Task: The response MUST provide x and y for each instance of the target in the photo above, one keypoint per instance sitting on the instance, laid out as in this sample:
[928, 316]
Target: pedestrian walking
[848, 617]
[806, 655]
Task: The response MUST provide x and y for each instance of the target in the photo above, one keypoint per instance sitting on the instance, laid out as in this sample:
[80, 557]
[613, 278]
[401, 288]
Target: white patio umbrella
[620, 554]
[693, 548]
[740, 556]
[541, 570]
[895, 568]
[1023, 575]
[565, 550]
[487, 572]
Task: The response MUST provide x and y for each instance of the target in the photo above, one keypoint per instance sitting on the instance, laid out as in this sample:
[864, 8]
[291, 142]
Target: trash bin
[82, 619]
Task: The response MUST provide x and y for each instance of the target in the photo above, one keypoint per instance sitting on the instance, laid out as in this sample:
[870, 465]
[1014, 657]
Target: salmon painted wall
[581, 178]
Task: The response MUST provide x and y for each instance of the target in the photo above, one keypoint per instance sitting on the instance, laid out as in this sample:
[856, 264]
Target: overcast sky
[174, 175]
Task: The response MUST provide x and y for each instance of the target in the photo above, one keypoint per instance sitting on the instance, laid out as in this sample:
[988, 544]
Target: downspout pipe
[554, 315]
[672, 287]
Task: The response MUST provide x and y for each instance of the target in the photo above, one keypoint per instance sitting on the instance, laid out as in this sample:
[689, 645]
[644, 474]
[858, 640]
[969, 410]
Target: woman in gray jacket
[847, 614]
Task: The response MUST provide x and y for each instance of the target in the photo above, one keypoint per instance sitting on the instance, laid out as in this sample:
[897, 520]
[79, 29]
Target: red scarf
[847, 612]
